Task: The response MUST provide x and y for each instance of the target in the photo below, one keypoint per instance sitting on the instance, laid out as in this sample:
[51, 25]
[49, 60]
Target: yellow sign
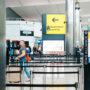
[88, 35]
[56, 24]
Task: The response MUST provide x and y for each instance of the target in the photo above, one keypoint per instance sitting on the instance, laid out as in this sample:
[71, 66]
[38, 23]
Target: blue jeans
[25, 69]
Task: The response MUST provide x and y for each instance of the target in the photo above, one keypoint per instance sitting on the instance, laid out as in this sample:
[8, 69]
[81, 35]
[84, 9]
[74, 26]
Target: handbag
[28, 58]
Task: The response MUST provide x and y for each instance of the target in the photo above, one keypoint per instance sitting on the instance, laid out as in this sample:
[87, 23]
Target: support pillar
[77, 32]
[70, 7]
[2, 44]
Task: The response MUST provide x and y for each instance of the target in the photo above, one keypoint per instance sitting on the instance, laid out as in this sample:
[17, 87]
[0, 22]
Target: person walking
[22, 58]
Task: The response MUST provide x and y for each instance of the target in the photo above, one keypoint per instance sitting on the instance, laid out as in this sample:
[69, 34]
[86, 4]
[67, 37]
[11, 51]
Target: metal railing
[31, 85]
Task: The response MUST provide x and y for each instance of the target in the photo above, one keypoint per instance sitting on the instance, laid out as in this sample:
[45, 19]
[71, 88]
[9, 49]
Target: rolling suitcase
[14, 77]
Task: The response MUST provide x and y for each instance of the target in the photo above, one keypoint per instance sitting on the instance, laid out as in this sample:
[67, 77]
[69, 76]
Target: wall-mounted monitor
[53, 47]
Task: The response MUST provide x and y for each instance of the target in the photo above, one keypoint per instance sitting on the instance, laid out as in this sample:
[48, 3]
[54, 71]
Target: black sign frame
[26, 33]
[85, 47]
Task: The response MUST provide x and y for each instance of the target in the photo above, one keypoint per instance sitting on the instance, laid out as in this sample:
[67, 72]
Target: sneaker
[28, 80]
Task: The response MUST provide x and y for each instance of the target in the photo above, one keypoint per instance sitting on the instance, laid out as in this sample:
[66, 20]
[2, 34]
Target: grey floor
[53, 78]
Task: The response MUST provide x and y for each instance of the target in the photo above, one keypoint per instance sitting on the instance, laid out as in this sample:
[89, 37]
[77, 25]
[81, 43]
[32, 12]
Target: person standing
[30, 49]
[78, 55]
[22, 57]
[40, 50]
[34, 50]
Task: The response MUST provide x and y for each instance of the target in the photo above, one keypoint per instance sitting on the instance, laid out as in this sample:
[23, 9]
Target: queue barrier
[45, 72]
[48, 62]
[64, 66]
[55, 72]
[42, 85]
[31, 73]
[74, 72]
[56, 59]
[7, 72]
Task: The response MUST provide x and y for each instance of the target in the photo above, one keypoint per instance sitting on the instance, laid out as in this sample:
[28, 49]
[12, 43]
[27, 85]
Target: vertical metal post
[58, 71]
[79, 78]
[66, 57]
[70, 25]
[7, 77]
[82, 75]
[78, 75]
[31, 81]
[22, 77]
[52, 71]
[60, 57]
[44, 77]
[77, 86]
[33, 71]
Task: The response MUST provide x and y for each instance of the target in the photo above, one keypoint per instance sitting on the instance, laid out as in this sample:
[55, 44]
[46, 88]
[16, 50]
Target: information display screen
[53, 47]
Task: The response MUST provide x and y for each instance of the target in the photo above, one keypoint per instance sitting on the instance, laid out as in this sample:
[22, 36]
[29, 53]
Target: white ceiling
[33, 9]
[35, 12]
[18, 3]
